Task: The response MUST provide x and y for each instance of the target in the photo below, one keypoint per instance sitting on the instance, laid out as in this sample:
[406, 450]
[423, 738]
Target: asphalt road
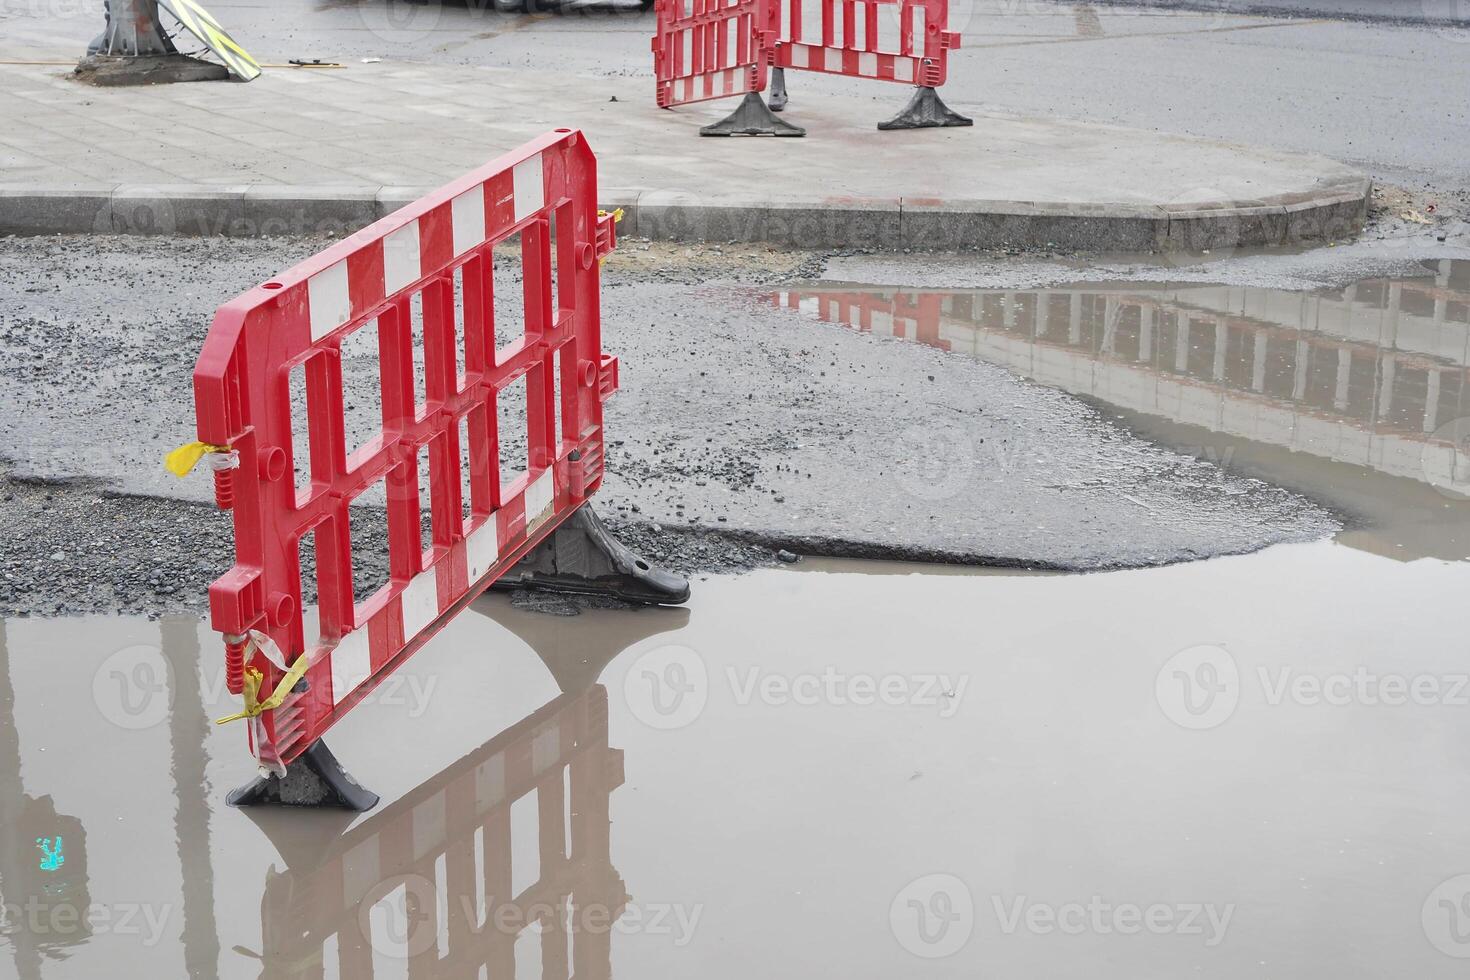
[1076, 492]
[1376, 84]
[1412, 13]
[850, 445]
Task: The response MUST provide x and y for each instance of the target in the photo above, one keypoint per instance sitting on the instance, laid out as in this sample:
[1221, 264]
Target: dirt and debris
[74, 546]
[1398, 212]
[742, 428]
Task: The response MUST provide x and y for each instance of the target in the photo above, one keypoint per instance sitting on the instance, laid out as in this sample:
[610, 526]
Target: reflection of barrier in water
[189, 727]
[1369, 377]
[428, 878]
[46, 910]
[376, 889]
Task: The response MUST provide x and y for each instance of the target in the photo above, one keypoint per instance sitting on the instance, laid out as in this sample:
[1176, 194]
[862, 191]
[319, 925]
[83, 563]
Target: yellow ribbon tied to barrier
[253, 680]
[182, 461]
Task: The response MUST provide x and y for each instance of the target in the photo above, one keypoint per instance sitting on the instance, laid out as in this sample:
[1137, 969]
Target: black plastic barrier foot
[581, 557]
[314, 778]
[751, 118]
[777, 99]
[924, 110]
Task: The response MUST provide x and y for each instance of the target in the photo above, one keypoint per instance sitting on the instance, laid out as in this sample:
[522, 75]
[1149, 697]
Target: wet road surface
[734, 418]
[1247, 766]
[1251, 766]
[1358, 397]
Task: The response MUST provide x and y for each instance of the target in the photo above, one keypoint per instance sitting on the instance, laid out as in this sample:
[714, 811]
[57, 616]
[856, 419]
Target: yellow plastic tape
[182, 461]
[253, 679]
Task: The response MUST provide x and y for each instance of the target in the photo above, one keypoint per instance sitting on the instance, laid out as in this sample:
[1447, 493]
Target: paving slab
[337, 148]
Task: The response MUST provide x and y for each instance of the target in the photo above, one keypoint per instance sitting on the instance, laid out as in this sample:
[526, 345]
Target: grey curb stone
[946, 225]
[393, 197]
[283, 210]
[163, 209]
[1337, 211]
[64, 209]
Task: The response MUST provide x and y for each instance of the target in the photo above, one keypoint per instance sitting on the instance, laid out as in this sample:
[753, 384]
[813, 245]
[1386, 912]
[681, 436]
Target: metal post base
[925, 110]
[751, 118]
[314, 778]
[777, 97]
[132, 30]
[583, 558]
[109, 70]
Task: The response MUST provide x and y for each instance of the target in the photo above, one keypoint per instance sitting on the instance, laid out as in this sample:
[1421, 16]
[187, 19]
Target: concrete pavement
[310, 151]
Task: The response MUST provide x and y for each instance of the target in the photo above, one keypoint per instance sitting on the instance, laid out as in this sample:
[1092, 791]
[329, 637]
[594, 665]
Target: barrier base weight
[581, 557]
[777, 99]
[925, 110]
[314, 778]
[751, 118]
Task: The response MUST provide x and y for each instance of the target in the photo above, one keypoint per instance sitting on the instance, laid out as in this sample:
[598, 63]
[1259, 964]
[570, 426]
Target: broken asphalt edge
[1335, 210]
[637, 532]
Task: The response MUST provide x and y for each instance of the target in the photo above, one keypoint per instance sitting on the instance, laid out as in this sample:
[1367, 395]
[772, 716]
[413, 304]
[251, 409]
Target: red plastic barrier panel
[889, 40]
[711, 49]
[415, 297]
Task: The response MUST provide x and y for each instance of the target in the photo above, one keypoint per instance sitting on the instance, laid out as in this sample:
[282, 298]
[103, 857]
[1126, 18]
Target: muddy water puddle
[1359, 397]
[1251, 766]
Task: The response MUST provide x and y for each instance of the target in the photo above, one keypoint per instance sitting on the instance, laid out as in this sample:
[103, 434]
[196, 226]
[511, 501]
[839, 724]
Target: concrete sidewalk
[301, 151]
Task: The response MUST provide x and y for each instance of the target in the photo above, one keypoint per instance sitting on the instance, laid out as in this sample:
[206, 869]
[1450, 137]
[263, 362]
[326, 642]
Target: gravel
[741, 430]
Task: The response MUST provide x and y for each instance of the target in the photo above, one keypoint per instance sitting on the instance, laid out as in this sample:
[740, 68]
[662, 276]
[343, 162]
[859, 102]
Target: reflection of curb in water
[1364, 377]
[1446, 459]
[1451, 18]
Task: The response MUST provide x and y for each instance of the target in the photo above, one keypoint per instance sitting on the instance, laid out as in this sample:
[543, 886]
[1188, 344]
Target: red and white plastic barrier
[711, 49]
[436, 255]
[888, 40]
